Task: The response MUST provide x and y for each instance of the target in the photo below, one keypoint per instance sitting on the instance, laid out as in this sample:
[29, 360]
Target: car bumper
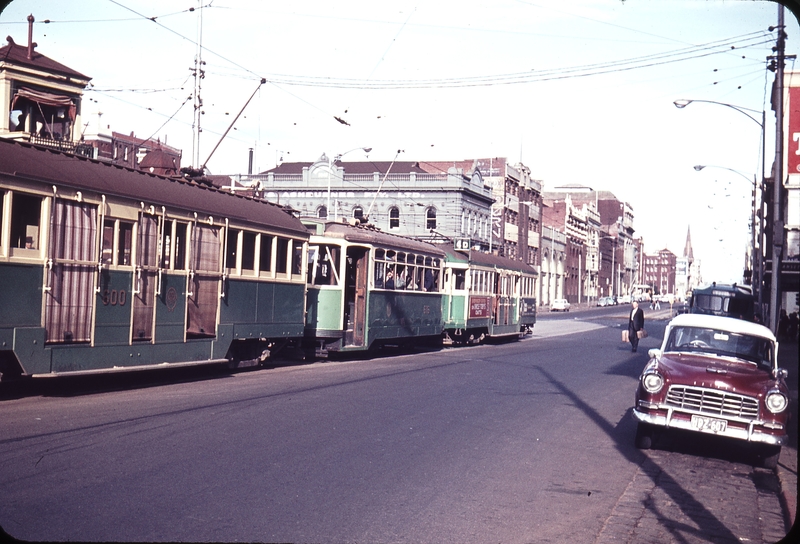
[748, 431]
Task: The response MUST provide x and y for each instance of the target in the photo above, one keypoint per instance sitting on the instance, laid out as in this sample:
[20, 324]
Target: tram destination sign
[462, 244]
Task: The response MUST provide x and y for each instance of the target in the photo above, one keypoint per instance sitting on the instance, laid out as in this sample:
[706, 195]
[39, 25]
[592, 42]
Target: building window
[322, 213]
[394, 218]
[431, 219]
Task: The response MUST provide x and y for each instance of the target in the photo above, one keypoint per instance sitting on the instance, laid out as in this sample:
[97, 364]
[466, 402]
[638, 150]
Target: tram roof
[489, 259]
[40, 164]
[373, 236]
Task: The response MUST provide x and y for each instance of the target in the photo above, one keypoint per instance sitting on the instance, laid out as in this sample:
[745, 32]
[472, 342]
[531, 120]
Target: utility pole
[777, 211]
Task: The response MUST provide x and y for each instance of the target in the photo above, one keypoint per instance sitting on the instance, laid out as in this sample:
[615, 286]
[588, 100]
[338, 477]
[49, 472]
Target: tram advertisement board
[479, 306]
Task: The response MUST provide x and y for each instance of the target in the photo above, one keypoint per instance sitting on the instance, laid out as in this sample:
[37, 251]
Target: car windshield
[720, 342]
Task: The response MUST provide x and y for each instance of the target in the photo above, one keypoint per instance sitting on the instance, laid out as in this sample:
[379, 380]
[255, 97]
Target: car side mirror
[654, 353]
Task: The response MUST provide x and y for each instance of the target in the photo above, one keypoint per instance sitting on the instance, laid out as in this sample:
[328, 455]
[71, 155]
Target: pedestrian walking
[635, 324]
[783, 326]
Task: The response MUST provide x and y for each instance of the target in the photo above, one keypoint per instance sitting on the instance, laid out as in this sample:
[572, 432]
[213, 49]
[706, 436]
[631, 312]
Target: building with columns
[553, 267]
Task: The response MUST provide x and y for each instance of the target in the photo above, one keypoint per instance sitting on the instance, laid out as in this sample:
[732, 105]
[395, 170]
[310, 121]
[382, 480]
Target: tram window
[232, 248]
[108, 242]
[248, 251]
[265, 253]
[400, 277]
[26, 211]
[380, 268]
[297, 258]
[166, 246]
[124, 243]
[459, 277]
[180, 246]
[323, 262]
[282, 256]
[124, 237]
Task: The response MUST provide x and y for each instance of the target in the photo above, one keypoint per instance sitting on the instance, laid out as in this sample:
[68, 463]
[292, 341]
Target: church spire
[687, 250]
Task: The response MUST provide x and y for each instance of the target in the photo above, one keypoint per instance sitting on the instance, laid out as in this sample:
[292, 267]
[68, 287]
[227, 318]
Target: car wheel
[769, 457]
[644, 436]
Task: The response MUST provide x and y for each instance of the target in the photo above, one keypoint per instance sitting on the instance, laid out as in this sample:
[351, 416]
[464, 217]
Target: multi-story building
[608, 226]
[659, 272]
[399, 197]
[40, 98]
[42, 104]
[142, 154]
[561, 215]
[516, 212]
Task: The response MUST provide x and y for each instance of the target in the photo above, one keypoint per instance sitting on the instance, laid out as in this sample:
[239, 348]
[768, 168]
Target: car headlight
[652, 382]
[776, 402]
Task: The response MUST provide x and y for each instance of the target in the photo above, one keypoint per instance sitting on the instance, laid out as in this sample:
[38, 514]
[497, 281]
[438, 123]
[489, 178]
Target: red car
[716, 375]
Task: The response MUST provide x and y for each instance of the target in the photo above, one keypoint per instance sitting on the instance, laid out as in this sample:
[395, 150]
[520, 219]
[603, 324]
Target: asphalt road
[517, 442]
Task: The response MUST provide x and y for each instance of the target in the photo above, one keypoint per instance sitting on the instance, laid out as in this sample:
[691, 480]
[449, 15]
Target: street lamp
[682, 103]
[331, 161]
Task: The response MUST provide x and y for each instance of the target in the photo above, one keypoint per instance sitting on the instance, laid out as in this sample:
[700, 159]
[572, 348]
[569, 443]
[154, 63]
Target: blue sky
[580, 91]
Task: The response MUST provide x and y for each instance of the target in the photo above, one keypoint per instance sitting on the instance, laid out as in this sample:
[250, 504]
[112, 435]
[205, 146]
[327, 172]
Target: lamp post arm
[680, 104]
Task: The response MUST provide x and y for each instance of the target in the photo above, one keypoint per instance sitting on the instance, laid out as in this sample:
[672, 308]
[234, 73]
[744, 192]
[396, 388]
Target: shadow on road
[622, 436]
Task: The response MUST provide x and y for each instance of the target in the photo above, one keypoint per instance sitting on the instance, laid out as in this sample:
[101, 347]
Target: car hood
[714, 372]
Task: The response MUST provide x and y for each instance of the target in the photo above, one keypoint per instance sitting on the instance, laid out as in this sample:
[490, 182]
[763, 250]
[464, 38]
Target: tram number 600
[114, 297]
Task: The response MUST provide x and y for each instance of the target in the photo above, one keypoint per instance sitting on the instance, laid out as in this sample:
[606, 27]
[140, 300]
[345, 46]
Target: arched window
[358, 213]
[322, 212]
[394, 218]
[431, 219]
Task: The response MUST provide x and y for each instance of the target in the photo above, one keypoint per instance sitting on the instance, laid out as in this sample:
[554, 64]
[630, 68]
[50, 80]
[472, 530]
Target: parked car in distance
[624, 299]
[602, 301]
[715, 375]
[559, 305]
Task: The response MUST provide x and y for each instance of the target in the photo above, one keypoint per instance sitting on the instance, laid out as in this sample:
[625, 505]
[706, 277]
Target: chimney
[30, 36]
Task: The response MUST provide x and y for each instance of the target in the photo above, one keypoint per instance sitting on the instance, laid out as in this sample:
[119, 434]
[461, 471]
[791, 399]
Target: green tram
[486, 296]
[368, 289]
[105, 268]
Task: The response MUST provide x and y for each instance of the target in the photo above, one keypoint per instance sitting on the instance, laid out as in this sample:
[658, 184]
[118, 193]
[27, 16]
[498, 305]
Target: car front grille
[712, 402]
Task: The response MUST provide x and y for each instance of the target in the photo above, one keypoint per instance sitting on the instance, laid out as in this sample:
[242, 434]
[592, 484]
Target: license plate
[709, 424]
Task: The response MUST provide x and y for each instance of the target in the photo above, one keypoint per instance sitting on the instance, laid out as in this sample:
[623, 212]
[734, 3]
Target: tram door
[204, 281]
[72, 265]
[144, 280]
[355, 293]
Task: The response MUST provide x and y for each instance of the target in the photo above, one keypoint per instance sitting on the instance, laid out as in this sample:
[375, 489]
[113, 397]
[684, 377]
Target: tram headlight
[776, 402]
[652, 381]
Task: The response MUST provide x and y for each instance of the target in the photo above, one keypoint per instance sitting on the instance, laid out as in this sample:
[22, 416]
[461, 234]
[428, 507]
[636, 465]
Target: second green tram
[486, 296]
[368, 289]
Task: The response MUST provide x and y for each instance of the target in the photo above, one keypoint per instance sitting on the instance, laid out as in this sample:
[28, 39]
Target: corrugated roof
[64, 170]
[18, 54]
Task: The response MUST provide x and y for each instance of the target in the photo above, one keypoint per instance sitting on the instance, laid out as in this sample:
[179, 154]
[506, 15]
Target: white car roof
[730, 324]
